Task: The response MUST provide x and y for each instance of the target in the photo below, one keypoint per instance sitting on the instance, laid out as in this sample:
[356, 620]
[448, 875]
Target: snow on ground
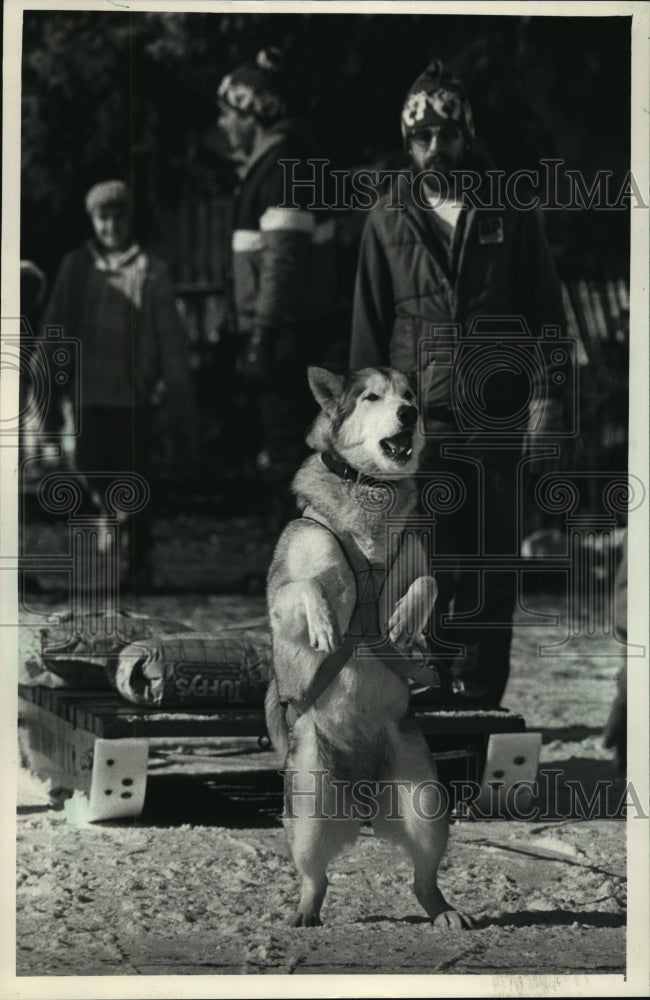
[201, 882]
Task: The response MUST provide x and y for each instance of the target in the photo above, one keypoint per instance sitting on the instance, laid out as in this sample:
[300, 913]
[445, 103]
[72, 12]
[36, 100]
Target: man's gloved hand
[272, 351]
[288, 347]
[255, 364]
[545, 427]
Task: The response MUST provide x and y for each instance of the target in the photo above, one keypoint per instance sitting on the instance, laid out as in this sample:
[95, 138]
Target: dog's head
[370, 418]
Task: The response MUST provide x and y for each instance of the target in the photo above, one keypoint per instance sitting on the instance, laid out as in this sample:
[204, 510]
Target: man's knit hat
[260, 87]
[435, 98]
[107, 193]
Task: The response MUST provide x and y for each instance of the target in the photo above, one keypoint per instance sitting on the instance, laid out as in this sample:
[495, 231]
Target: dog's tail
[276, 721]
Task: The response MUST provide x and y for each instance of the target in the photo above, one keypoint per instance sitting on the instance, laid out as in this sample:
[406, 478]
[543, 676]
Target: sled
[96, 744]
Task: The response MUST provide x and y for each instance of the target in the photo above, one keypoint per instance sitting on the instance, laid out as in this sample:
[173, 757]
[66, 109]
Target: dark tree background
[133, 95]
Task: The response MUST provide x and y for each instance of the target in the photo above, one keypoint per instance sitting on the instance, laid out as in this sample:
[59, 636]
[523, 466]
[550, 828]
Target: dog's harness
[364, 627]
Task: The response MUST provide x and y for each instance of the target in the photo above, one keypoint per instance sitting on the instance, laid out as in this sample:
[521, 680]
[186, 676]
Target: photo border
[638, 925]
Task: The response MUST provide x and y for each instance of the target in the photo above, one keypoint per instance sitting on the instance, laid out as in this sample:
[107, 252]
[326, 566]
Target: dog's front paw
[419, 648]
[412, 612]
[322, 626]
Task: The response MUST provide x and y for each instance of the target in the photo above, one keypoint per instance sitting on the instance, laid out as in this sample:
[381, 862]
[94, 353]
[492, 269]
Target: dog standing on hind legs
[348, 601]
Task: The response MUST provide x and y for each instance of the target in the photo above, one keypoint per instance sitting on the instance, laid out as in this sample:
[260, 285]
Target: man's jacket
[283, 259]
[409, 282]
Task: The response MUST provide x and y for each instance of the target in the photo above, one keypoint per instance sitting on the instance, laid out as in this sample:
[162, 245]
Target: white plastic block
[119, 782]
[512, 759]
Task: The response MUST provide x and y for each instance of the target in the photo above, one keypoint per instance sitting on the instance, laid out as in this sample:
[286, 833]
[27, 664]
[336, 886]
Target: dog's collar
[348, 472]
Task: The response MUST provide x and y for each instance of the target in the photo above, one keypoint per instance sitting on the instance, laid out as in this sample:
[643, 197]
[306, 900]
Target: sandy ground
[200, 884]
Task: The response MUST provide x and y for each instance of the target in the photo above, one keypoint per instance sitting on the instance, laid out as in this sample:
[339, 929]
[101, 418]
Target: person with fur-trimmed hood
[435, 270]
[283, 262]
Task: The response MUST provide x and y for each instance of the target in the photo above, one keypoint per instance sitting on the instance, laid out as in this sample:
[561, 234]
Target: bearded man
[448, 277]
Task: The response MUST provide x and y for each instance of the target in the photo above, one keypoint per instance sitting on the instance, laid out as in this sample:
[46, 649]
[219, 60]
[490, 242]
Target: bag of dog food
[83, 651]
[226, 669]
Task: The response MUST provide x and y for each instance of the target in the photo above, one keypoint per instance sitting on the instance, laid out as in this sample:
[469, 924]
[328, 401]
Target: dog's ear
[326, 387]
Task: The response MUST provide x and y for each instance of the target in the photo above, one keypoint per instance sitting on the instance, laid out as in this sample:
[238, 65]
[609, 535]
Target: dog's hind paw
[300, 919]
[453, 920]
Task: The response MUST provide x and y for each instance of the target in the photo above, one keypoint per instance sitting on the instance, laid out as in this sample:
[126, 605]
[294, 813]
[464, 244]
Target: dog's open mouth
[399, 447]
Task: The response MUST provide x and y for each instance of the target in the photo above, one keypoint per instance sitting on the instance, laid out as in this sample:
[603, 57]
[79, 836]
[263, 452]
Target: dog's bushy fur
[358, 729]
